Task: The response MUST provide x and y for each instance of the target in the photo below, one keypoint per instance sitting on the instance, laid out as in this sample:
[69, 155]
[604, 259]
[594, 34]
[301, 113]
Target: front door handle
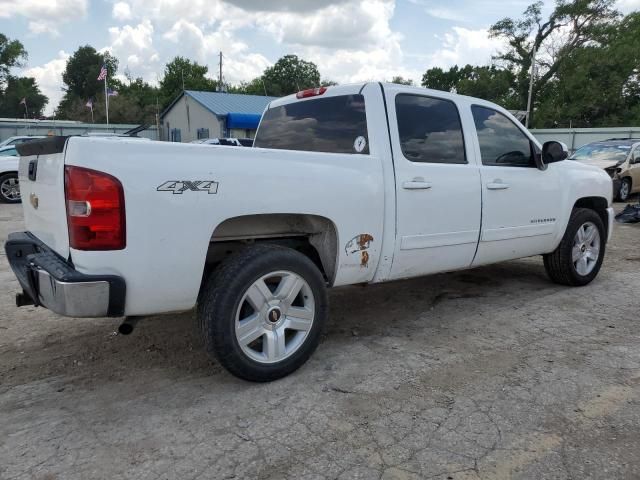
[416, 184]
[497, 185]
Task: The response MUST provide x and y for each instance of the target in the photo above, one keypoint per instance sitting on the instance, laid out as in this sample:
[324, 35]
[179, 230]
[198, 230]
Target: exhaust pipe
[126, 327]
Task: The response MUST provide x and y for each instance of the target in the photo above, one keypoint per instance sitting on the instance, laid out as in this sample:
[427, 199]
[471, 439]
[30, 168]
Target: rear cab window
[336, 124]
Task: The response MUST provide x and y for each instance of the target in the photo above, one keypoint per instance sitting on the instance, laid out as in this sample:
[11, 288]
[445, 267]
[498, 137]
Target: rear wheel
[578, 258]
[9, 188]
[263, 312]
[625, 190]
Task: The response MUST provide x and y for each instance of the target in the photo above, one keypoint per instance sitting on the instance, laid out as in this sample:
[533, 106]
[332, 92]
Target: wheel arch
[597, 204]
[313, 235]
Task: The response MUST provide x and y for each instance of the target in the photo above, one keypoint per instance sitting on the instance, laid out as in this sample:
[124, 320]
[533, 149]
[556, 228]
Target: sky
[349, 40]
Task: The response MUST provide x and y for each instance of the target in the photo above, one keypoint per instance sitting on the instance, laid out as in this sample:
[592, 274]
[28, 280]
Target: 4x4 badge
[177, 187]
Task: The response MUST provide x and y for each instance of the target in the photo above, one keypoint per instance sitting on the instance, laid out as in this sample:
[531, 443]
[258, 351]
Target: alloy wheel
[586, 248]
[274, 316]
[10, 189]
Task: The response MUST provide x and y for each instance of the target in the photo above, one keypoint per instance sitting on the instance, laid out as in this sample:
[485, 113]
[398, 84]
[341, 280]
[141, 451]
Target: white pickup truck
[346, 185]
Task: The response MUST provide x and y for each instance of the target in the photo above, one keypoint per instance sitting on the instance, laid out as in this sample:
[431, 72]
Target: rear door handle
[416, 184]
[497, 185]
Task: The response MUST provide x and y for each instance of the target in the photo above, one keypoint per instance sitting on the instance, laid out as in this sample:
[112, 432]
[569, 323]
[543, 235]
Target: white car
[18, 139]
[345, 185]
[9, 184]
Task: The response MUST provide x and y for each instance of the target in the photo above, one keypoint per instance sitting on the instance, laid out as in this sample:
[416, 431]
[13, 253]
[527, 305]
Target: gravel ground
[487, 374]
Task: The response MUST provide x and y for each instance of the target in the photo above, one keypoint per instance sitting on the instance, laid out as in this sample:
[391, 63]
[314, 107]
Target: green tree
[137, 102]
[571, 25]
[81, 78]
[254, 87]
[83, 67]
[183, 74]
[401, 81]
[597, 84]
[290, 74]
[487, 82]
[18, 88]
[439, 79]
[12, 54]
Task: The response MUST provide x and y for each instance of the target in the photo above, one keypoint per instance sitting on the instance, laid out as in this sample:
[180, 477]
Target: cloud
[446, 14]
[49, 78]
[628, 6]
[43, 16]
[121, 11]
[462, 45]
[350, 41]
[134, 48]
[284, 5]
[203, 46]
[346, 25]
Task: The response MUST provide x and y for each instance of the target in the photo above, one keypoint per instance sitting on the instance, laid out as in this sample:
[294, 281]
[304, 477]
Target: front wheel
[578, 258]
[263, 312]
[9, 188]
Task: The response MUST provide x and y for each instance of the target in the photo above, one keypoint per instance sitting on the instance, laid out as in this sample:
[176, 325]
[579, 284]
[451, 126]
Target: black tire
[625, 190]
[223, 293]
[5, 178]
[559, 264]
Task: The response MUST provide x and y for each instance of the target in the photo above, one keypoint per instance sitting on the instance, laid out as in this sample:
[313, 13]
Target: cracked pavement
[491, 373]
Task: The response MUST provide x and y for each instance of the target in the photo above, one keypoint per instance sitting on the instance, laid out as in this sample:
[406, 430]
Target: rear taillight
[311, 92]
[95, 210]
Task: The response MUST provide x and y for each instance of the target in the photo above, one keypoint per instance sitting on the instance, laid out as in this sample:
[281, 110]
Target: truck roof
[352, 88]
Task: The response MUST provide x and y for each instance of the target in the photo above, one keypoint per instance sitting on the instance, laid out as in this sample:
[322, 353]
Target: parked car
[17, 140]
[228, 142]
[9, 183]
[246, 142]
[620, 158]
[345, 185]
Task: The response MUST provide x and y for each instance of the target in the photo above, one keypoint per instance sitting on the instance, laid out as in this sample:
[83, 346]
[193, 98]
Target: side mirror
[553, 151]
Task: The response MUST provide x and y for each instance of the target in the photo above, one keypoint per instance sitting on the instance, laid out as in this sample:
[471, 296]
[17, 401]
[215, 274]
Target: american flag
[103, 73]
[89, 104]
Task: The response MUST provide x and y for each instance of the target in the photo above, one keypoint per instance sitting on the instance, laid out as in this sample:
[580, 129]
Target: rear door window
[330, 124]
[430, 129]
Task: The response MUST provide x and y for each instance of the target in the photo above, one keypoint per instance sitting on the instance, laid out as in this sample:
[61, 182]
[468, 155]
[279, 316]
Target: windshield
[9, 152]
[615, 153]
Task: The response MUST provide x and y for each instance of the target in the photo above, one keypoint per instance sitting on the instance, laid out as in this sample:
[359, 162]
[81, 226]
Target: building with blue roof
[195, 115]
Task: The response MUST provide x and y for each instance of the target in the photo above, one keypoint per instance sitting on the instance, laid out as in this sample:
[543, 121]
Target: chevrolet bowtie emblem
[33, 199]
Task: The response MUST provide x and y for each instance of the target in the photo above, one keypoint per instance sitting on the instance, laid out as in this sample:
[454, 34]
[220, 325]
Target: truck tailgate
[41, 174]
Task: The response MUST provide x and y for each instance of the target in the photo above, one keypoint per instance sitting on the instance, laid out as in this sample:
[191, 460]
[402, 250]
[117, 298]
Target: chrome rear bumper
[48, 280]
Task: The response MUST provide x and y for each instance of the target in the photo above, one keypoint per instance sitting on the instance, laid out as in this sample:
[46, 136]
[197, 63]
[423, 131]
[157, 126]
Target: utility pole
[220, 75]
[533, 73]
[157, 119]
[182, 72]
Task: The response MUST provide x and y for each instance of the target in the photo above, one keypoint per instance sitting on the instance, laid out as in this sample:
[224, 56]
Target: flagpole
[106, 98]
